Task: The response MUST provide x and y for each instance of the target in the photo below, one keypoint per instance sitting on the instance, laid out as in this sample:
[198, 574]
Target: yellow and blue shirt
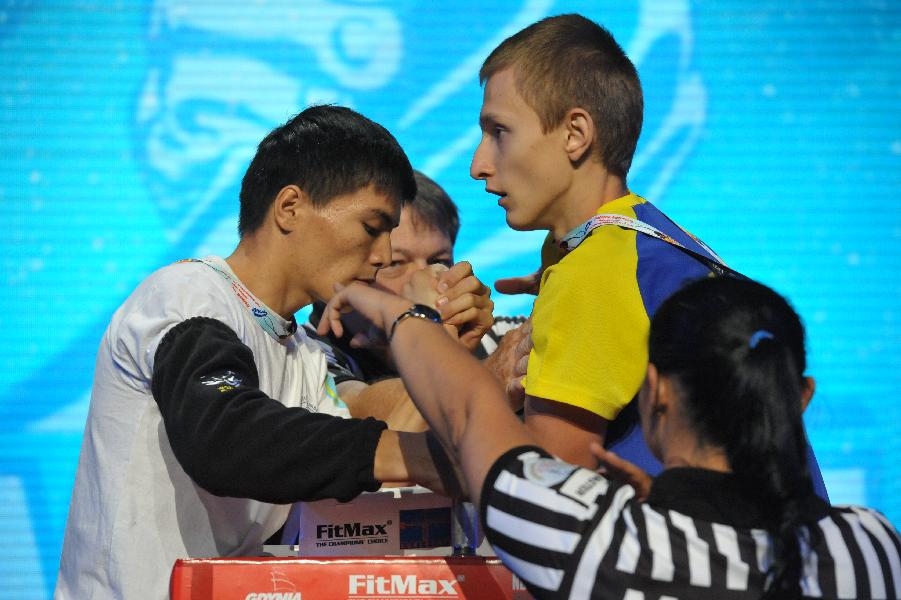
[592, 315]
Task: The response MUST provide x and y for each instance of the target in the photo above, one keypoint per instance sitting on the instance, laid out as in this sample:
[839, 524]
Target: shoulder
[525, 471]
[848, 526]
[180, 271]
[653, 216]
[169, 296]
[847, 532]
[182, 289]
[603, 266]
[608, 250]
[178, 282]
[869, 518]
[566, 503]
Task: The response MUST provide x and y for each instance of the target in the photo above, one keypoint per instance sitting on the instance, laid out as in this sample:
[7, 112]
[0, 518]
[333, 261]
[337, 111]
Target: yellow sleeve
[590, 327]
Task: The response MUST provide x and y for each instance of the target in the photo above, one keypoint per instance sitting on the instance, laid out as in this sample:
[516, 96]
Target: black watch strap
[420, 311]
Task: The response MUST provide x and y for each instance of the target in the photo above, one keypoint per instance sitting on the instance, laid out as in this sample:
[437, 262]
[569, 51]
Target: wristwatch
[420, 311]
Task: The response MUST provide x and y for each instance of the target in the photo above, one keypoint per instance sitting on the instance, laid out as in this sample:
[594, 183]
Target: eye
[372, 231]
[393, 269]
[442, 261]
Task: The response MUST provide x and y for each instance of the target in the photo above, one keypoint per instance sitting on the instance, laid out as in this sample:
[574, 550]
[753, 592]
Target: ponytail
[737, 350]
[769, 455]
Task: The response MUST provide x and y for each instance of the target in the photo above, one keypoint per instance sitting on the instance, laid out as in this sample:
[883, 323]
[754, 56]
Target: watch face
[425, 312]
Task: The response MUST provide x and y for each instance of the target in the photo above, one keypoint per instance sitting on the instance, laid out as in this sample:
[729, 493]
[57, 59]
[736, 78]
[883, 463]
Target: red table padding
[349, 578]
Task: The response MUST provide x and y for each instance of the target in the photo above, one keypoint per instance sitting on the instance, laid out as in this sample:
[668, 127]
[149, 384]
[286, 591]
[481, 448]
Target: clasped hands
[463, 301]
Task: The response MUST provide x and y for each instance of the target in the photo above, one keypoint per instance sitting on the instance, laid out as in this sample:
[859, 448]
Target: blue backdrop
[772, 131]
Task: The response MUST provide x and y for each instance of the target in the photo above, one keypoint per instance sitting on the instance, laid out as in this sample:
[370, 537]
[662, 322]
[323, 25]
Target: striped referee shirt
[567, 532]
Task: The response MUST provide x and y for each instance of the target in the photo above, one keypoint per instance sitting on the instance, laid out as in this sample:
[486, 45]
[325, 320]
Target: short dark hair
[568, 61]
[434, 208]
[327, 151]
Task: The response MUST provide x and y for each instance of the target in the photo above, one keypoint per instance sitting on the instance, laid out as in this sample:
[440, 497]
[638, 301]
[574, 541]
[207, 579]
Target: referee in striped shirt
[733, 514]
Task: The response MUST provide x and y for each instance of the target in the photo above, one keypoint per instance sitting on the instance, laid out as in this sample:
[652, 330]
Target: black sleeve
[234, 440]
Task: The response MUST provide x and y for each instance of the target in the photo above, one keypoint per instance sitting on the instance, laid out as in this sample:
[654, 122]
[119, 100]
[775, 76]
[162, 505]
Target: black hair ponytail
[736, 348]
[769, 455]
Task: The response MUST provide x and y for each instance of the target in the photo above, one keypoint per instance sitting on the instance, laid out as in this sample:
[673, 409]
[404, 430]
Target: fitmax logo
[350, 530]
[400, 585]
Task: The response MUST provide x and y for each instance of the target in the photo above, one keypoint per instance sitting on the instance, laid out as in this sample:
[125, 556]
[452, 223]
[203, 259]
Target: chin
[518, 225]
[329, 291]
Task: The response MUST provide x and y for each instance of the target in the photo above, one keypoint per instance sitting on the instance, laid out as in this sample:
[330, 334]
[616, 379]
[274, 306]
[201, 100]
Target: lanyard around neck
[271, 323]
[575, 237]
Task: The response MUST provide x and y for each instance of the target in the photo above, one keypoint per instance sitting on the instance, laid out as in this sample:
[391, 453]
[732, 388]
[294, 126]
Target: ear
[288, 206]
[650, 388]
[665, 395]
[580, 133]
[651, 377]
[808, 388]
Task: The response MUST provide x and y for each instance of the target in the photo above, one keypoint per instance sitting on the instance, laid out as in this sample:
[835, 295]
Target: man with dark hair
[366, 377]
[560, 119]
[211, 411]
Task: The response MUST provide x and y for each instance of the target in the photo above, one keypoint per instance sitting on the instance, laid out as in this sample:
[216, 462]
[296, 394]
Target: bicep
[564, 430]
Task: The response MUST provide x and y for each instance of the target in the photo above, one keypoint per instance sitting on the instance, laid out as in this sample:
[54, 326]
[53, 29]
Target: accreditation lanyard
[271, 323]
[575, 237]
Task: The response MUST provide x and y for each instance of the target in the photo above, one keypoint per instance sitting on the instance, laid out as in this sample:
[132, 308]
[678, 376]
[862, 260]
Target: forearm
[462, 401]
[406, 457]
[386, 400]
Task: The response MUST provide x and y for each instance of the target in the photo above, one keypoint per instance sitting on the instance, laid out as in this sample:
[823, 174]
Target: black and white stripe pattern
[569, 533]
[493, 336]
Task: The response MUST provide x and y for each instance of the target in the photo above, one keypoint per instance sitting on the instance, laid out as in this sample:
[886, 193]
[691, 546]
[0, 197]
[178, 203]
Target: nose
[480, 167]
[381, 251]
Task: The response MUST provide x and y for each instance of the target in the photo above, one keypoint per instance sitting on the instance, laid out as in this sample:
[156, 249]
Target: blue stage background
[772, 131]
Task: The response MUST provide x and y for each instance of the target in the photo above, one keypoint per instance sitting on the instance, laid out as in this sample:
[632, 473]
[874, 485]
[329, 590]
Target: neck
[693, 455]
[592, 188]
[252, 263]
